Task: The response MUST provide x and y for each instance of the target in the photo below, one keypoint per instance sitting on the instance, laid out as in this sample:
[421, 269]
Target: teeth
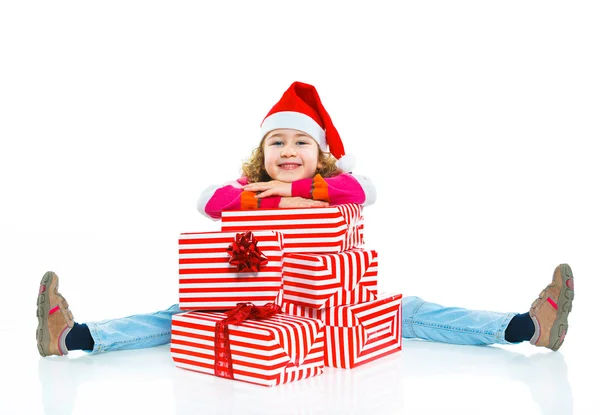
[288, 166]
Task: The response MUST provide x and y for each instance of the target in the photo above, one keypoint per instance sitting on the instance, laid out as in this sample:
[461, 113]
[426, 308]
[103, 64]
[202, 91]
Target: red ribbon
[245, 254]
[243, 311]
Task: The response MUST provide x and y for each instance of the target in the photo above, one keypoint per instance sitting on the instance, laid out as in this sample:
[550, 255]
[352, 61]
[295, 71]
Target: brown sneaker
[551, 310]
[55, 320]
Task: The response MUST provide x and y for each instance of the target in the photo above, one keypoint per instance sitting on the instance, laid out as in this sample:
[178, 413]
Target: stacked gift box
[309, 261]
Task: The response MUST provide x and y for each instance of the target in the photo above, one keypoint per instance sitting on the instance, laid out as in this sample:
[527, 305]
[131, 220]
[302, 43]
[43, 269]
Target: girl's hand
[299, 202]
[272, 188]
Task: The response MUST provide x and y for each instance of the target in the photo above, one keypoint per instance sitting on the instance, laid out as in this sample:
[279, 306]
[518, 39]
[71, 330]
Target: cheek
[267, 155]
[269, 160]
[312, 157]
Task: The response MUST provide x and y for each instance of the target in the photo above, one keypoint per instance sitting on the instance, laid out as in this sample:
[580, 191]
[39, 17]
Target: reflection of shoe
[55, 320]
[551, 310]
[546, 374]
[59, 379]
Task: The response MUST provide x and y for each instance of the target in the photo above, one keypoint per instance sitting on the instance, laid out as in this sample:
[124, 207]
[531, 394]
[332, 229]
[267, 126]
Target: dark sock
[79, 338]
[519, 329]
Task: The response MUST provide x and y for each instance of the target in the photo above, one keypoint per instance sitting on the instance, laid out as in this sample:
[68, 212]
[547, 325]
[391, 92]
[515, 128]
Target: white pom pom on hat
[300, 108]
[346, 163]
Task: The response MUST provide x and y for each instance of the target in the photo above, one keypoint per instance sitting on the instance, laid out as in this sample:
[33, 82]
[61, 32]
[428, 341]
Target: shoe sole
[565, 304]
[42, 333]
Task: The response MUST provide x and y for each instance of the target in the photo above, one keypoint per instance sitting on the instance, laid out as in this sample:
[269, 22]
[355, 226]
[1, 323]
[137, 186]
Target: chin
[288, 179]
[289, 176]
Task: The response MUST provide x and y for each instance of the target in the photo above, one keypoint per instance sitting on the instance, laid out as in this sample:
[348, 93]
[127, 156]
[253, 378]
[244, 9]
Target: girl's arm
[345, 188]
[231, 196]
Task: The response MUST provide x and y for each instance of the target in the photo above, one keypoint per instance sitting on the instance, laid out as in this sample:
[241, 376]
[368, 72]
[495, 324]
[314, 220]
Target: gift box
[358, 333]
[218, 270]
[280, 349]
[327, 280]
[330, 229]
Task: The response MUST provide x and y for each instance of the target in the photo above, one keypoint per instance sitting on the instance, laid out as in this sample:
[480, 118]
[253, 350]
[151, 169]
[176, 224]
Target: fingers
[266, 193]
[317, 203]
[254, 187]
[302, 203]
[272, 188]
[313, 205]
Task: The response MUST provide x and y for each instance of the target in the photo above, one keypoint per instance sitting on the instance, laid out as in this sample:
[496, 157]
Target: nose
[288, 151]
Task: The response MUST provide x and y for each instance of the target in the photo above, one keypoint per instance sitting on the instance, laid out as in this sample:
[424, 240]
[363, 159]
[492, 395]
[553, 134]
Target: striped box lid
[330, 229]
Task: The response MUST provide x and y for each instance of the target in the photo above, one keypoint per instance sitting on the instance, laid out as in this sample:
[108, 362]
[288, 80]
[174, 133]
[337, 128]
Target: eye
[301, 142]
[276, 143]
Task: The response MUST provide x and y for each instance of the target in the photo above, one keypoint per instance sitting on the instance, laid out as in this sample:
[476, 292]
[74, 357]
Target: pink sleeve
[341, 189]
[269, 202]
[345, 189]
[302, 188]
[225, 198]
[215, 199]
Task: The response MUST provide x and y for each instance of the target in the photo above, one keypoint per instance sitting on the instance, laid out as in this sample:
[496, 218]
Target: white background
[478, 122]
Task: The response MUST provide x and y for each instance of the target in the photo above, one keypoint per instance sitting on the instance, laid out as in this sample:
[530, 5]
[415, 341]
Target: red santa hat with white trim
[300, 108]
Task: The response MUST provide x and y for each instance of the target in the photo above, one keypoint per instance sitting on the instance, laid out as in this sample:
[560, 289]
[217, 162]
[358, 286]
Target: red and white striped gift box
[330, 229]
[359, 333]
[207, 281]
[327, 280]
[268, 352]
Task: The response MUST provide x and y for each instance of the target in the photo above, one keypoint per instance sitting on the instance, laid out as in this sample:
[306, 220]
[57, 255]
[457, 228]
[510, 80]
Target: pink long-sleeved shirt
[345, 188]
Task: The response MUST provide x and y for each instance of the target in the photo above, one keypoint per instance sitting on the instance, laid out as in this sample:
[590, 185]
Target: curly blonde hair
[254, 167]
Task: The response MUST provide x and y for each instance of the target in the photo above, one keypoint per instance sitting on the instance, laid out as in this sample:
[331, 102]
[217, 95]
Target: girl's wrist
[270, 202]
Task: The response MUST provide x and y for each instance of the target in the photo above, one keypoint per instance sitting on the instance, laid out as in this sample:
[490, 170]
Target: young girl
[300, 162]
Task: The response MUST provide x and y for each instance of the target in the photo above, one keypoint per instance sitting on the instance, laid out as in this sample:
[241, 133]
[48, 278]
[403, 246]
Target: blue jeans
[420, 319]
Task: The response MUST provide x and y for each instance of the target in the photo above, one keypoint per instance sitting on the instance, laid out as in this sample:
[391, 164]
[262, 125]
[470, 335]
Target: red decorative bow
[243, 311]
[245, 254]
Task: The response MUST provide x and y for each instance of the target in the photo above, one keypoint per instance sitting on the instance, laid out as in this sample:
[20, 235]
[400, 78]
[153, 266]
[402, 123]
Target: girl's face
[290, 155]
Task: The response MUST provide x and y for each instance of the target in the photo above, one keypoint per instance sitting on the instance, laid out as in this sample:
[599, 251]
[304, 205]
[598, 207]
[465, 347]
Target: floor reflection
[380, 387]
[542, 371]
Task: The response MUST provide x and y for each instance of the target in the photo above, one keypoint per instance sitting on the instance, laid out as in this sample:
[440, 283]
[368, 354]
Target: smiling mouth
[289, 166]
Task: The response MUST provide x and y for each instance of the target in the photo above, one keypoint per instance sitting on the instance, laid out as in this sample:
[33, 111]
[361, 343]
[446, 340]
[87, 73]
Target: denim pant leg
[133, 332]
[429, 321]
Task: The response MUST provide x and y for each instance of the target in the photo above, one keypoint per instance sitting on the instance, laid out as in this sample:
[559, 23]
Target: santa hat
[300, 109]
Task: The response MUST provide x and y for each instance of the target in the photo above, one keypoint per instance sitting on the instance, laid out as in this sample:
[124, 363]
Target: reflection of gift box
[374, 388]
[358, 333]
[330, 229]
[208, 281]
[327, 280]
[280, 349]
[200, 394]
